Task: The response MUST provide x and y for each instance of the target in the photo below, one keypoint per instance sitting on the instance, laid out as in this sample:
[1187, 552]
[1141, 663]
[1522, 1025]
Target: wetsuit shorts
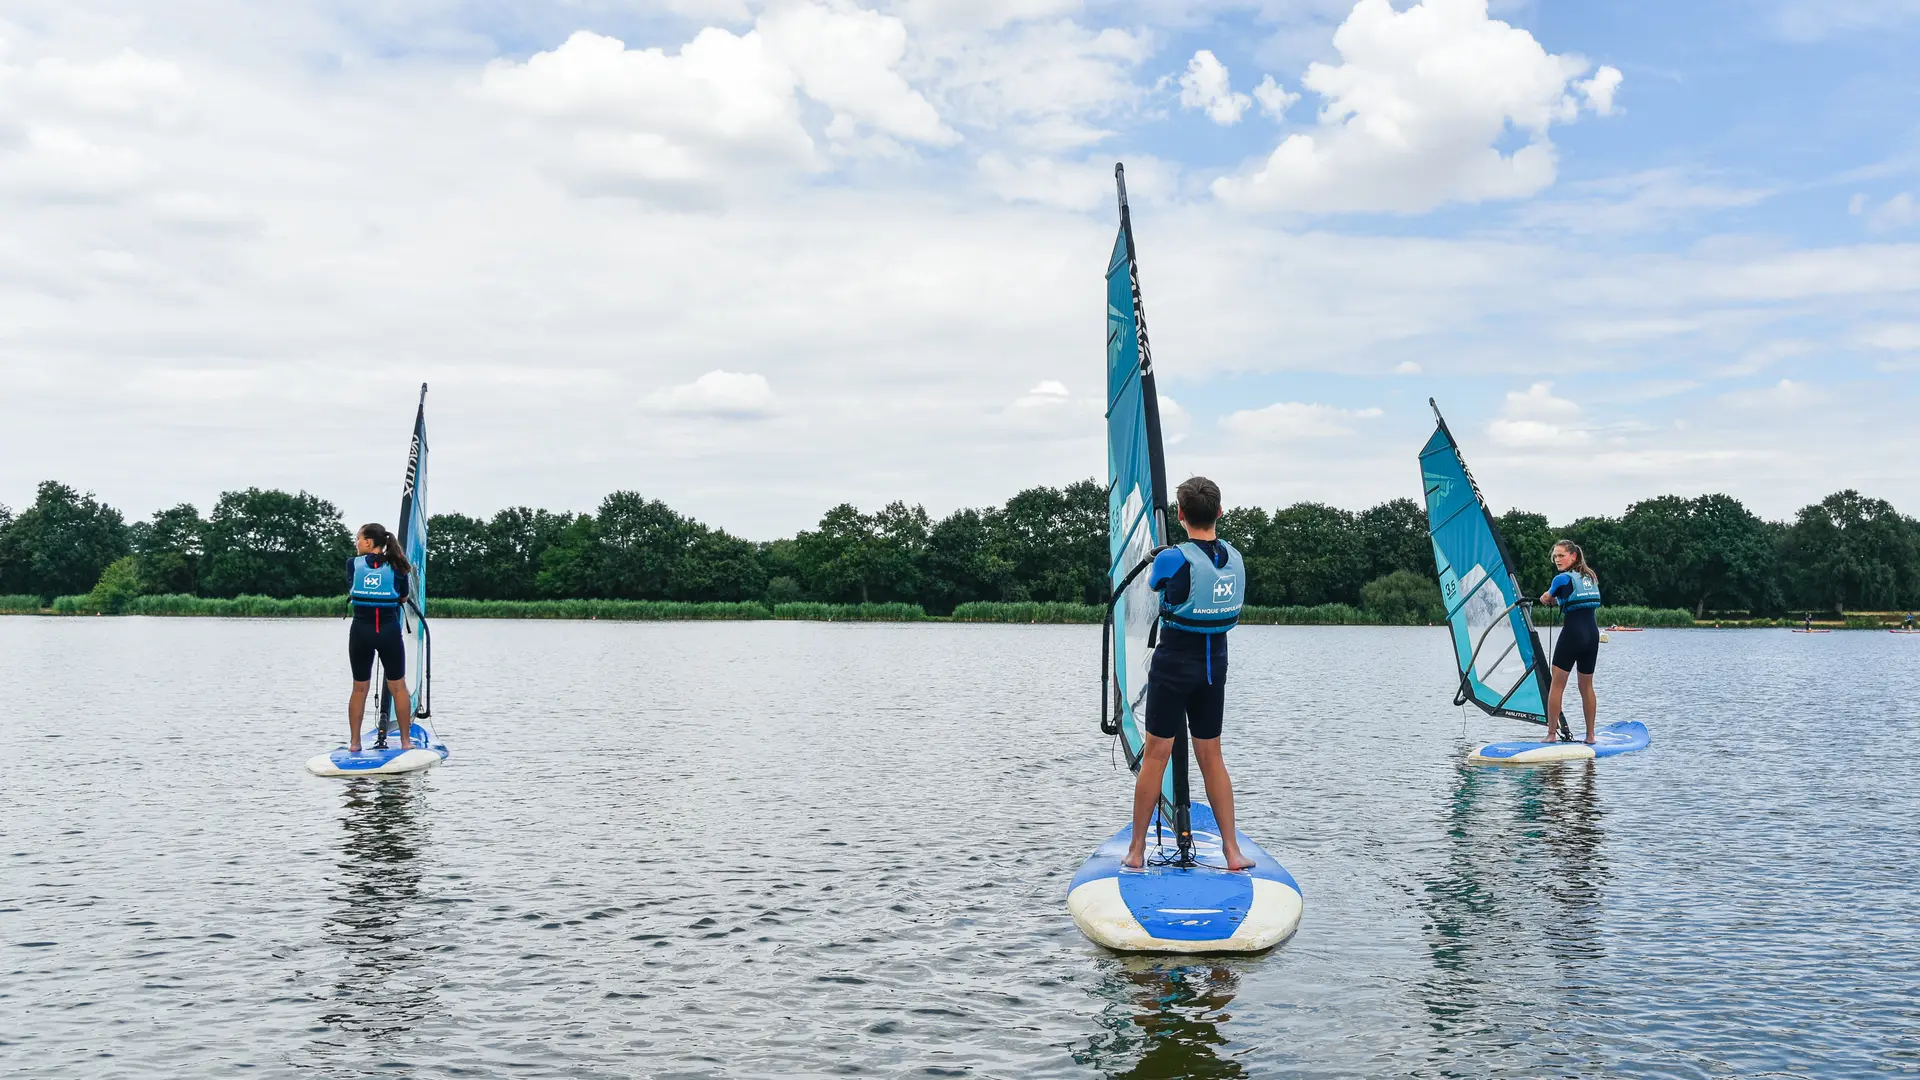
[1187, 685]
[1579, 643]
[376, 630]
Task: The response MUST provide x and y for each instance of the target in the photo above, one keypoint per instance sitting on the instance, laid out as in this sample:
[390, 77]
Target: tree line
[1707, 554]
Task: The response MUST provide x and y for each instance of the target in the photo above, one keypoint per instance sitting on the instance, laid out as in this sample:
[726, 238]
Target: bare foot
[1136, 858]
[354, 748]
[1235, 860]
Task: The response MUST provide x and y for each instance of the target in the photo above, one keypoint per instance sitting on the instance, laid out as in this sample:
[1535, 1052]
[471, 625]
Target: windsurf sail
[1136, 523]
[412, 532]
[1502, 667]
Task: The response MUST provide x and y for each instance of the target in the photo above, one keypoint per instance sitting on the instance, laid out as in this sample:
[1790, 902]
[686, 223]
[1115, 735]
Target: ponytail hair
[387, 544]
[1579, 558]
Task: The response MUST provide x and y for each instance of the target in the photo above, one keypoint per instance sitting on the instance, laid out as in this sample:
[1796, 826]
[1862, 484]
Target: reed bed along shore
[306, 607]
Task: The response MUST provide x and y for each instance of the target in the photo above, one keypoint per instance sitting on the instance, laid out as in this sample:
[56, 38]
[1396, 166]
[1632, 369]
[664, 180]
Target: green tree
[962, 562]
[1404, 598]
[170, 547]
[272, 543]
[716, 566]
[865, 558]
[570, 565]
[1610, 553]
[1394, 535]
[1056, 542]
[1529, 541]
[1250, 529]
[642, 543]
[1850, 551]
[515, 548]
[1736, 567]
[119, 583]
[457, 554]
[1317, 550]
[60, 544]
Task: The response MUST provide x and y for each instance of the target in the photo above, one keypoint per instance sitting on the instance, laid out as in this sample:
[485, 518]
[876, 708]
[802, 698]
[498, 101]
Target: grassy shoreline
[301, 607]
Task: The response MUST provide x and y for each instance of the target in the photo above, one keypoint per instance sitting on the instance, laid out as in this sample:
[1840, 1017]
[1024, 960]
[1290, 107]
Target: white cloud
[1044, 87]
[1638, 202]
[1535, 418]
[1415, 111]
[1811, 20]
[1049, 388]
[1207, 86]
[1787, 395]
[722, 395]
[1291, 420]
[847, 59]
[1273, 100]
[1075, 185]
[682, 125]
[981, 14]
[1600, 89]
[1898, 337]
[127, 86]
[1897, 212]
[1406, 367]
[1176, 423]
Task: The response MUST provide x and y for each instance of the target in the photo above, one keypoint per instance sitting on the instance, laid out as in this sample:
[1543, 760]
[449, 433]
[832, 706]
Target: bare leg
[356, 712]
[1589, 702]
[1213, 772]
[1553, 704]
[402, 711]
[1146, 794]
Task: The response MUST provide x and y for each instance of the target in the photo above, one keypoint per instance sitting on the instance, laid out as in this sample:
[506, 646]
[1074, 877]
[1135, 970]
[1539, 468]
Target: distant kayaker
[1202, 584]
[1576, 589]
[376, 584]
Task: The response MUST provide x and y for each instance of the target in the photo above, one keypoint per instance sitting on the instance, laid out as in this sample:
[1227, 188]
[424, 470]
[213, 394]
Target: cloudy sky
[756, 258]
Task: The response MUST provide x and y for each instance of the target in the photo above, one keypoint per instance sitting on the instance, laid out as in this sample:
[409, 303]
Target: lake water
[810, 850]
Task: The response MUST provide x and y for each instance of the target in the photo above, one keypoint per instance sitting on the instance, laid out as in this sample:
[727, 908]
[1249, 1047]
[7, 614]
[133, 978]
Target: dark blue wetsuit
[1579, 644]
[1187, 681]
[376, 629]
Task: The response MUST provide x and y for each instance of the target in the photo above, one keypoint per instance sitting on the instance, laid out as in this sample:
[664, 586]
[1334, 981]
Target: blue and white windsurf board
[1203, 909]
[427, 751]
[1620, 737]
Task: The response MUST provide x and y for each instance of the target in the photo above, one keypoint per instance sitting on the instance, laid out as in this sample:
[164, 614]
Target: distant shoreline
[184, 606]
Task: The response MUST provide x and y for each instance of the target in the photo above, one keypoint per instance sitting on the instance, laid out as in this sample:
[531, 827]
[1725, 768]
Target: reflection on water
[1163, 1019]
[384, 989]
[1518, 892]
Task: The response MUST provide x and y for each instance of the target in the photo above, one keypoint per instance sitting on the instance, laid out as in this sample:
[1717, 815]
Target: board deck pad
[427, 752]
[1611, 740]
[1173, 909]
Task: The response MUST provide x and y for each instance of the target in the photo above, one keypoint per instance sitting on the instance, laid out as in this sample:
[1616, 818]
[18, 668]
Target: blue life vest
[1214, 599]
[374, 585]
[1585, 595]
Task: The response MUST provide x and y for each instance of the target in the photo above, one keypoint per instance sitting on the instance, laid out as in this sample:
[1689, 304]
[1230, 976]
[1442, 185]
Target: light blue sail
[1136, 495]
[1497, 652]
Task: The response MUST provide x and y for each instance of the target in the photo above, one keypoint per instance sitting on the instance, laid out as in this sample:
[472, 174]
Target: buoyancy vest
[1215, 596]
[1585, 595]
[374, 586]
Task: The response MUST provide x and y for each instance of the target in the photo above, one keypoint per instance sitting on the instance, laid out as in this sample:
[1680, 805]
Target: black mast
[1156, 455]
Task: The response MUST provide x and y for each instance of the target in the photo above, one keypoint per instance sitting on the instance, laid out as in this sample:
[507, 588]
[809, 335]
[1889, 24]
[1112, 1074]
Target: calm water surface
[807, 850]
